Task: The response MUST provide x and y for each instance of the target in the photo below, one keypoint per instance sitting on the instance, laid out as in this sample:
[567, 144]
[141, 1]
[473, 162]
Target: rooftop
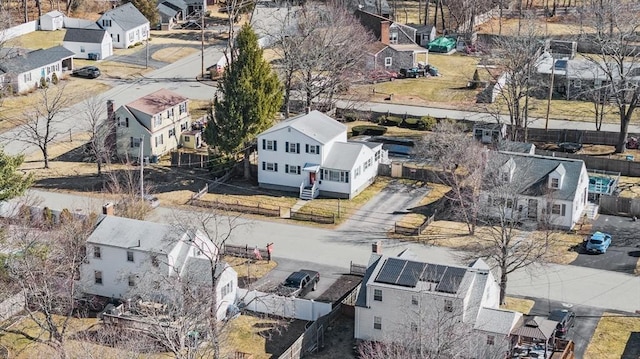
[314, 124]
[156, 102]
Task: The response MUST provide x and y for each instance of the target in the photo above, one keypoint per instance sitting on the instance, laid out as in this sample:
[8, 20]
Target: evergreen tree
[250, 95]
[12, 183]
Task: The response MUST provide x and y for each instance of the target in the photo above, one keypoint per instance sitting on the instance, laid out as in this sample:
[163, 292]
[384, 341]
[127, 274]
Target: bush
[392, 121]
[429, 123]
[43, 82]
[350, 117]
[54, 78]
[369, 130]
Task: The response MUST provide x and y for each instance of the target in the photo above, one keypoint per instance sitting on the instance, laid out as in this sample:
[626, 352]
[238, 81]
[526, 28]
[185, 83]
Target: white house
[406, 301]
[126, 25]
[127, 258]
[23, 71]
[537, 188]
[310, 154]
[53, 20]
[155, 121]
[171, 12]
[85, 42]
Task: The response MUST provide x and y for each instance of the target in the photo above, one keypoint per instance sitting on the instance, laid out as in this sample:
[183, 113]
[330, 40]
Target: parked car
[565, 319]
[382, 76]
[598, 243]
[413, 72]
[90, 72]
[299, 283]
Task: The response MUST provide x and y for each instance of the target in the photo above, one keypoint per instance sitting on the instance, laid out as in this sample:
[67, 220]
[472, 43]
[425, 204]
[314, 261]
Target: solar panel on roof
[433, 273]
[411, 274]
[451, 280]
[391, 270]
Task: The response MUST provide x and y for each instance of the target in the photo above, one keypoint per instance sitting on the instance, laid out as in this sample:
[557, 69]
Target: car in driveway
[89, 72]
[598, 242]
[565, 319]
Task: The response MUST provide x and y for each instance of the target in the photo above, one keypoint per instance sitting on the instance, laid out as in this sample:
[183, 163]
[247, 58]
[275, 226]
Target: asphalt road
[624, 252]
[563, 283]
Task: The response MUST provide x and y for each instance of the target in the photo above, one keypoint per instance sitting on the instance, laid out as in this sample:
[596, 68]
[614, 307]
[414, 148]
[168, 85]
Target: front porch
[309, 186]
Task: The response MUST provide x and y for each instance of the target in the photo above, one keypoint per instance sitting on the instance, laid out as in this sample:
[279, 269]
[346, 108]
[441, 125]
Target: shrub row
[423, 123]
[370, 130]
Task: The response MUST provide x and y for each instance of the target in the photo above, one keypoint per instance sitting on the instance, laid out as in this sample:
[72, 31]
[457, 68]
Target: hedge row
[370, 130]
[423, 123]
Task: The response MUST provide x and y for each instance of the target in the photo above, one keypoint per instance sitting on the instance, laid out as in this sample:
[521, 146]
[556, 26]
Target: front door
[312, 178]
[532, 211]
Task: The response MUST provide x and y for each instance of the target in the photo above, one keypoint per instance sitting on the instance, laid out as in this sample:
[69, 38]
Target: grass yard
[343, 209]
[518, 304]
[264, 200]
[436, 192]
[253, 269]
[38, 40]
[172, 54]
[249, 334]
[198, 108]
[611, 336]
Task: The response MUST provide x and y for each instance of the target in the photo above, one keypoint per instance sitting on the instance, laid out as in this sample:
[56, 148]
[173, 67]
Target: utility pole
[146, 58]
[202, 43]
[553, 67]
[142, 168]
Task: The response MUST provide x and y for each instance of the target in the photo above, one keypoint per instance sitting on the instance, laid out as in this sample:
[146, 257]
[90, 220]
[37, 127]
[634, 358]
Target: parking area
[624, 252]
[585, 324]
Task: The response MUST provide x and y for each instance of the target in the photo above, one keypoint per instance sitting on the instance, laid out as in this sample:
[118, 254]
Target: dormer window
[556, 177]
[555, 183]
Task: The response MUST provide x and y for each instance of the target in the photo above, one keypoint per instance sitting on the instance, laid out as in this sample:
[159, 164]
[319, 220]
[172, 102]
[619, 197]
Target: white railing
[313, 189]
[301, 189]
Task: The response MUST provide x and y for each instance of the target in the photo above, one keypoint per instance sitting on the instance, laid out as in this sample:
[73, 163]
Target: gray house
[171, 12]
[385, 30]
[24, 71]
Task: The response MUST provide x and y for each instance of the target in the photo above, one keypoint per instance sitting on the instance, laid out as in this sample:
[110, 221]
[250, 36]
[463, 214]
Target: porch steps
[307, 194]
[591, 210]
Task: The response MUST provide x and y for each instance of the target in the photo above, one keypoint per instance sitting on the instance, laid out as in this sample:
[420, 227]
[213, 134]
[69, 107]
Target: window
[154, 261]
[270, 145]
[292, 169]
[106, 23]
[170, 112]
[312, 149]
[388, 61]
[82, 49]
[135, 142]
[131, 36]
[377, 295]
[377, 322]
[491, 339]
[509, 203]
[377, 156]
[132, 281]
[228, 288]
[27, 77]
[555, 183]
[336, 176]
[505, 176]
[393, 37]
[129, 256]
[292, 147]
[183, 126]
[187, 138]
[159, 140]
[97, 275]
[172, 132]
[414, 300]
[577, 83]
[448, 306]
[357, 171]
[157, 120]
[559, 209]
[268, 166]
[182, 108]
[96, 252]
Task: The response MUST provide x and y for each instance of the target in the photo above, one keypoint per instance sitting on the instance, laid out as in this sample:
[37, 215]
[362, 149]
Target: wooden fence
[314, 217]
[602, 163]
[413, 231]
[200, 193]
[269, 211]
[619, 206]
[357, 269]
[245, 252]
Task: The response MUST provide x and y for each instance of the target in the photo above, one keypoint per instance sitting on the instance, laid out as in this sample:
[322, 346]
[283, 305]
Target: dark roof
[92, 36]
[532, 171]
[421, 27]
[35, 59]
[127, 16]
[375, 47]
[166, 10]
[372, 6]
[361, 300]
[178, 5]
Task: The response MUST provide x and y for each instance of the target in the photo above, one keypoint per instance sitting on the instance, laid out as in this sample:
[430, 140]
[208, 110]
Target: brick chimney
[110, 141]
[108, 209]
[376, 247]
[384, 32]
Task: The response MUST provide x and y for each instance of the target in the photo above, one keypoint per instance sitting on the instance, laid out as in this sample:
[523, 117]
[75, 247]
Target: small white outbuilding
[53, 20]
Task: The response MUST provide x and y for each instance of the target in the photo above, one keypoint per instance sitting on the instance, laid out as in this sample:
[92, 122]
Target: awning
[311, 167]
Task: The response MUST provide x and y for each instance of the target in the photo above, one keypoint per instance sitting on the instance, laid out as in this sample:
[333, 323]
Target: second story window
[106, 23]
[182, 108]
[377, 295]
[269, 145]
[172, 132]
[448, 306]
[97, 275]
[129, 256]
[157, 120]
[96, 252]
[135, 142]
[555, 183]
[292, 147]
[132, 281]
[313, 149]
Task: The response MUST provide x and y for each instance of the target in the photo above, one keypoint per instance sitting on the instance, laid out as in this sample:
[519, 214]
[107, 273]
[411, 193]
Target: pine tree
[250, 95]
[12, 183]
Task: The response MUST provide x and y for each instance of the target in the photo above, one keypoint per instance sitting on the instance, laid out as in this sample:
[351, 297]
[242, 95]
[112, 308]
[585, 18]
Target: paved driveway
[140, 57]
[624, 252]
[381, 212]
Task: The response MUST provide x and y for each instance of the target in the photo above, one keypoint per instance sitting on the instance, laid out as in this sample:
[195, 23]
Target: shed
[489, 132]
[53, 20]
[191, 139]
[424, 34]
[442, 44]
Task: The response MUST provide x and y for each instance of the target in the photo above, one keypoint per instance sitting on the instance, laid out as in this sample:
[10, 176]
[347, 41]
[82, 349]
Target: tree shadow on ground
[279, 338]
[120, 338]
[632, 350]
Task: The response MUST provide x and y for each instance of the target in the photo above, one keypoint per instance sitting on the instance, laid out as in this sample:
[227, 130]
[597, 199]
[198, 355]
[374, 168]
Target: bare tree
[50, 255]
[99, 148]
[460, 161]
[321, 50]
[617, 57]
[125, 186]
[42, 120]
[517, 55]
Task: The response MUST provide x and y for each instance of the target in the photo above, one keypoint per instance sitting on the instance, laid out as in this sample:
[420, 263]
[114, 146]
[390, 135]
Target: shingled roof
[126, 16]
[35, 59]
[92, 36]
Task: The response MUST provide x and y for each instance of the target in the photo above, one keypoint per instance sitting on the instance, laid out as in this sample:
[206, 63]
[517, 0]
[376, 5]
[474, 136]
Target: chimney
[307, 110]
[384, 32]
[376, 247]
[108, 209]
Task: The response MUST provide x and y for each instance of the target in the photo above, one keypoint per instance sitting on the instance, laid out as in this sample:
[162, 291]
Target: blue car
[598, 243]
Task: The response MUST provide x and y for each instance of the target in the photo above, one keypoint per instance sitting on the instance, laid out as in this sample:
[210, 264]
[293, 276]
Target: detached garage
[92, 44]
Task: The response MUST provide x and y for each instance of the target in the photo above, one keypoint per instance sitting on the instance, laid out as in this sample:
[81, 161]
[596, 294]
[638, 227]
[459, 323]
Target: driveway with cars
[624, 252]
